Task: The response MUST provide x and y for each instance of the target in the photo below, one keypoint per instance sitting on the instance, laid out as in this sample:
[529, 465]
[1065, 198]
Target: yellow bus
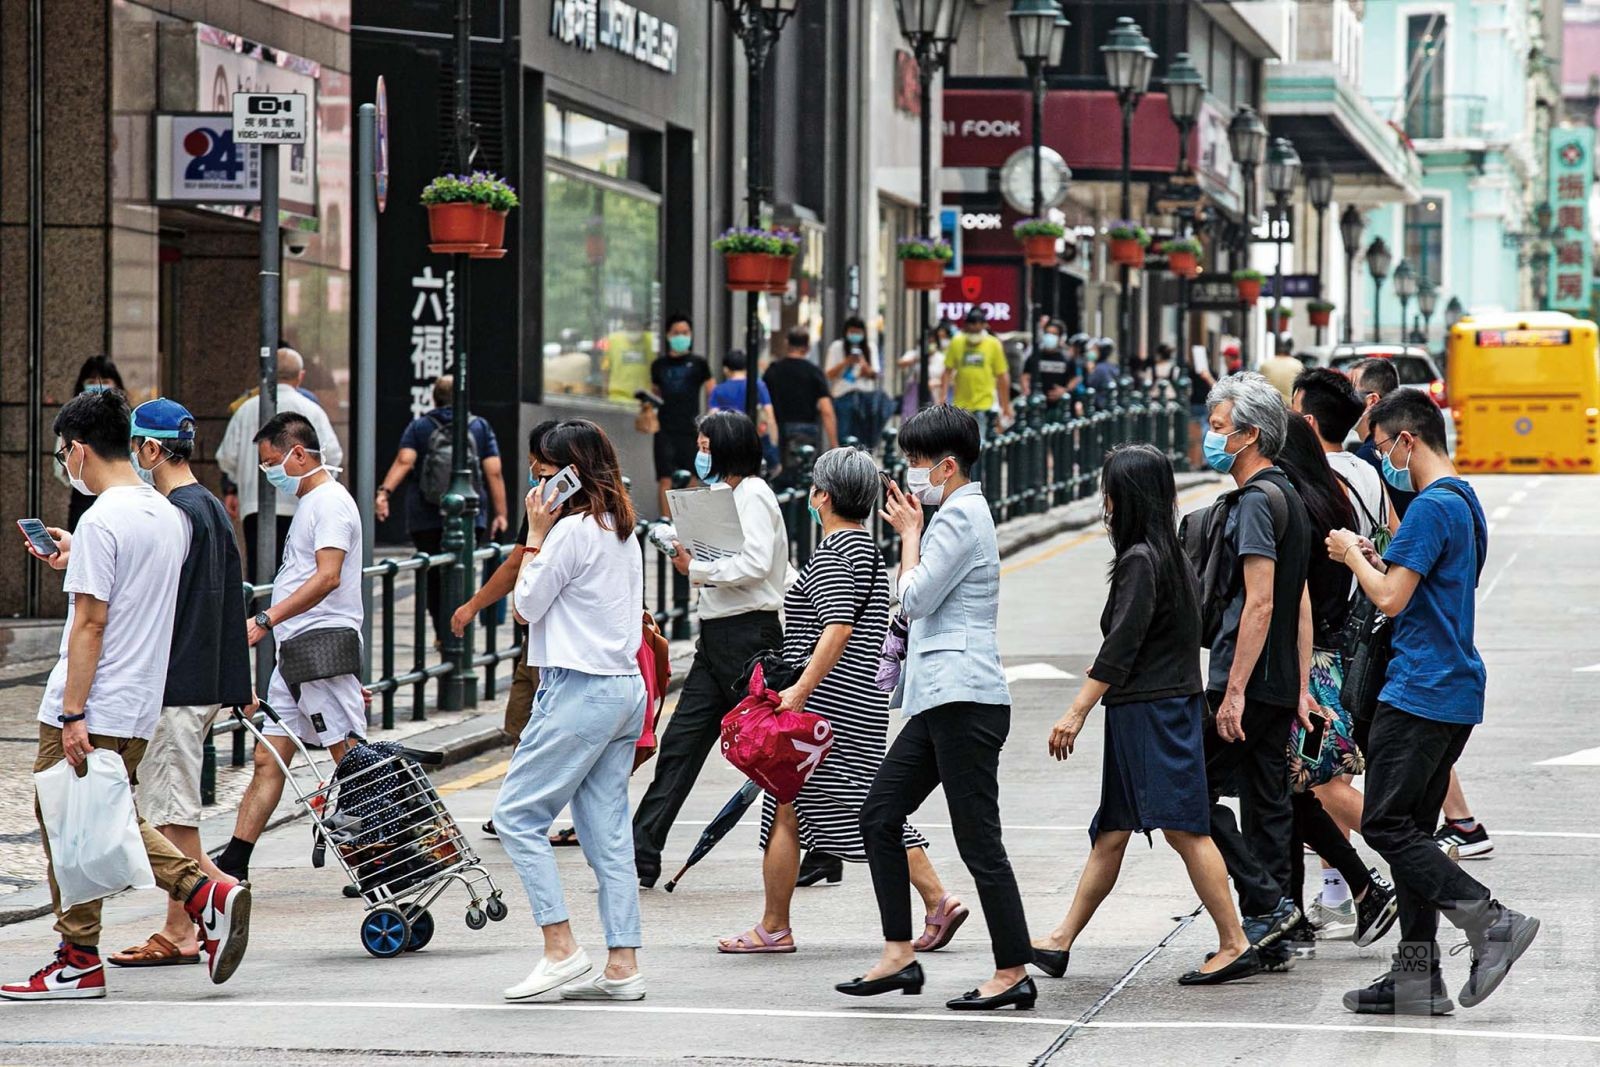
[1525, 388]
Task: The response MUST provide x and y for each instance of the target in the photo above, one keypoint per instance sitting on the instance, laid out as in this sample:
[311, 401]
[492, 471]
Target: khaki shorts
[169, 773]
[519, 703]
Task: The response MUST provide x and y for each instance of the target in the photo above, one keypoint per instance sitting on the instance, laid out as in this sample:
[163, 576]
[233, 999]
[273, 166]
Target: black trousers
[709, 692]
[1408, 771]
[1315, 827]
[956, 745]
[1257, 771]
[250, 527]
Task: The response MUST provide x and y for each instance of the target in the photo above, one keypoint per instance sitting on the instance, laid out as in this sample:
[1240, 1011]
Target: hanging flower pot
[468, 214]
[494, 236]
[456, 227]
[1248, 283]
[1319, 313]
[747, 255]
[1183, 256]
[922, 261]
[1039, 237]
[1278, 318]
[1128, 242]
[780, 264]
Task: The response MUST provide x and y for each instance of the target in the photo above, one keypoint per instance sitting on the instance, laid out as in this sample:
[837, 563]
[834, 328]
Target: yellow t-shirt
[975, 371]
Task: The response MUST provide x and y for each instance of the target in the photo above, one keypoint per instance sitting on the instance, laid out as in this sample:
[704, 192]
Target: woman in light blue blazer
[959, 710]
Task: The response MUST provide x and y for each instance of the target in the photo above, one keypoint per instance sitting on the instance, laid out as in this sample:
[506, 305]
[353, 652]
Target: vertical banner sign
[1571, 178]
[433, 346]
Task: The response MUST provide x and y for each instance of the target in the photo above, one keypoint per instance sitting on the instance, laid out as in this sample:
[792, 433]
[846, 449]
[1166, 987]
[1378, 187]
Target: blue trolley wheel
[420, 923]
[384, 932]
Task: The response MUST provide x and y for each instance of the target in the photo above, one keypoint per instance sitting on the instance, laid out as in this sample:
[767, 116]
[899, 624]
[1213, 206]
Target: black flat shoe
[907, 980]
[1022, 995]
[649, 870]
[1052, 961]
[819, 866]
[1248, 963]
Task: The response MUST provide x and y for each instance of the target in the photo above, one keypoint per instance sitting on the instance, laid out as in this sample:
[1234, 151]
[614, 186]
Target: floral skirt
[1339, 754]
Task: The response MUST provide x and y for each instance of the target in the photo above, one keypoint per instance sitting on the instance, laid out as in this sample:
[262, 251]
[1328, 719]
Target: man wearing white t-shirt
[122, 567]
[318, 587]
[1330, 405]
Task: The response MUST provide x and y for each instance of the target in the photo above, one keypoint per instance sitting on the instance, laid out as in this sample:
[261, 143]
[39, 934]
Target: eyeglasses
[60, 456]
[1379, 445]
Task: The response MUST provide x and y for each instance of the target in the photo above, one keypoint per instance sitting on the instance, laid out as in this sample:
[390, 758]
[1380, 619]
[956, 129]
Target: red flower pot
[1278, 323]
[778, 269]
[457, 227]
[494, 235]
[1127, 251]
[1039, 250]
[923, 273]
[747, 271]
[1320, 316]
[1184, 263]
[1249, 291]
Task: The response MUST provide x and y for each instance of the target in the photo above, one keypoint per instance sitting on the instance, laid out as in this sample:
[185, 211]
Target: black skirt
[1154, 776]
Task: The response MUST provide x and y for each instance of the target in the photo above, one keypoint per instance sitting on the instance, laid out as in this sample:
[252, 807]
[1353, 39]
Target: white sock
[1334, 889]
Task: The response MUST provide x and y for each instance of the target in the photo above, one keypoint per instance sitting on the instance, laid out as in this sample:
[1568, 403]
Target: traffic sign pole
[266, 495]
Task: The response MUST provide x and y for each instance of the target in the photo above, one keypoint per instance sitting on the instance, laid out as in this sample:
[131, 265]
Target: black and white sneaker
[1494, 950]
[1473, 844]
[489, 831]
[1279, 957]
[1263, 930]
[1376, 913]
[1301, 940]
[1402, 991]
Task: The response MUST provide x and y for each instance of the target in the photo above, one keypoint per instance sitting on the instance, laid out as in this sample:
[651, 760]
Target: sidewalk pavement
[454, 736]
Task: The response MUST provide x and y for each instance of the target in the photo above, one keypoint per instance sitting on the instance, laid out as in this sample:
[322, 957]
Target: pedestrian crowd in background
[1268, 579]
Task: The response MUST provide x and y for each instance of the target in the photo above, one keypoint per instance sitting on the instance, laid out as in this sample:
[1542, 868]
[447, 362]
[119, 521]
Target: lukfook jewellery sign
[619, 26]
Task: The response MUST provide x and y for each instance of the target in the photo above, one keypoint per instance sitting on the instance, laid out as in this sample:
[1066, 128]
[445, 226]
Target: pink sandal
[946, 920]
[766, 942]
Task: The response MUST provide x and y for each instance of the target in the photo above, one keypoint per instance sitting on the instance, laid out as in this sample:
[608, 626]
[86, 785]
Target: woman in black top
[1148, 676]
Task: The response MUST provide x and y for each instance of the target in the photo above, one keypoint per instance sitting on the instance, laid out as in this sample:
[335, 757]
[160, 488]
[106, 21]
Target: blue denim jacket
[952, 598]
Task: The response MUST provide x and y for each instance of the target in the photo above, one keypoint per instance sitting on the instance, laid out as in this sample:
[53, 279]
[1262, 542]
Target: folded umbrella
[718, 827]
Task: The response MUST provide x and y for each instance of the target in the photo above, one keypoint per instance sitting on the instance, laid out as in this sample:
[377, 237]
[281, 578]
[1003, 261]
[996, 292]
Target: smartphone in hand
[558, 489]
[39, 537]
[1311, 740]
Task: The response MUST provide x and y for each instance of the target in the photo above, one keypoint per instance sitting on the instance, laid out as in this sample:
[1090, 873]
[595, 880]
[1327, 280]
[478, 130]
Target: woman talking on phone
[580, 588]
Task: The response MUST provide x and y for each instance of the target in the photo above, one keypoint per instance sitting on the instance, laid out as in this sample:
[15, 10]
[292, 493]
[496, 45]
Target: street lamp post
[1186, 92]
[930, 27]
[757, 24]
[1427, 301]
[1378, 260]
[1350, 227]
[1405, 287]
[1038, 31]
[1283, 169]
[1247, 138]
[1539, 273]
[1319, 191]
[1129, 60]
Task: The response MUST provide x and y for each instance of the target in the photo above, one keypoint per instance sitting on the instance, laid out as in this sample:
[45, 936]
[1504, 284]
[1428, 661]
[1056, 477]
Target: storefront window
[586, 141]
[602, 285]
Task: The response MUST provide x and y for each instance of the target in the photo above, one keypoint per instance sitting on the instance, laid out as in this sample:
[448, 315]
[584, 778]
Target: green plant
[490, 189]
[745, 240]
[1038, 228]
[788, 242]
[1128, 231]
[1181, 244]
[1281, 311]
[1320, 305]
[1249, 276]
[924, 248]
[449, 189]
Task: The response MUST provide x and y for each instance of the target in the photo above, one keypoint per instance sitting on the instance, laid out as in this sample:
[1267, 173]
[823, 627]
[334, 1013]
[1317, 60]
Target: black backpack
[438, 463]
[1203, 534]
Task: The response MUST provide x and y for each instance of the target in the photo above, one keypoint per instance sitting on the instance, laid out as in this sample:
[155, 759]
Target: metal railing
[1437, 116]
[1050, 456]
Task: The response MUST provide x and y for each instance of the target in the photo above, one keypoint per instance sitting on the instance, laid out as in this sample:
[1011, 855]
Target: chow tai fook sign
[1571, 179]
[619, 27]
[994, 289]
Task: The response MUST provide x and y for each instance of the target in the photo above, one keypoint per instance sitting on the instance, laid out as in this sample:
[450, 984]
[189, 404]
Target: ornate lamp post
[1453, 313]
[1038, 32]
[1129, 60]
[1379, 259]
[1427, 301]
[1283, 170]
[1247, 138]
[1405, 287]
[1186, 92]
[930, 28]
[757, 24]
[1350, 227]
[1319, 191]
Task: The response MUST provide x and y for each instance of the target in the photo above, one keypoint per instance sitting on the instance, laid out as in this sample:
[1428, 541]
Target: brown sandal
[156, 952]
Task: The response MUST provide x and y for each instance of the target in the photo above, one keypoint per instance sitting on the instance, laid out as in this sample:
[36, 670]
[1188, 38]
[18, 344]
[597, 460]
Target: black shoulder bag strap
[1477, 528]
[1353, 494]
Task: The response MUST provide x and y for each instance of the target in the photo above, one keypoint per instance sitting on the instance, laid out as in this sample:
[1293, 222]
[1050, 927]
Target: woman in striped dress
[835, 619]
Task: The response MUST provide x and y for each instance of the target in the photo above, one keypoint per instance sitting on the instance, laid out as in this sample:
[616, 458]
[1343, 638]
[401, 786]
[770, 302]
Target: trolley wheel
[420, 923]
[476, 919]
[384, 932]
[496, 908]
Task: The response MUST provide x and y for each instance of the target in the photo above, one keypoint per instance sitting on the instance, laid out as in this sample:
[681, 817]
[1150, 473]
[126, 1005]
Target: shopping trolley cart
[397, 843]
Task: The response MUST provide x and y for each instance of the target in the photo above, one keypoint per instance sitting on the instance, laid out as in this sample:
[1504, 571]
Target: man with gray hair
[1260, 656]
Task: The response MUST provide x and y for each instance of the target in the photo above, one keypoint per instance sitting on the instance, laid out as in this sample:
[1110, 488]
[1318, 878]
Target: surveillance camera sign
[269, 118]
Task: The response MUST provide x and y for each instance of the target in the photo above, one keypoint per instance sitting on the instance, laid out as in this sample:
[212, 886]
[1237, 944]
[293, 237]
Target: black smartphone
[1311, 740]
[38, 537]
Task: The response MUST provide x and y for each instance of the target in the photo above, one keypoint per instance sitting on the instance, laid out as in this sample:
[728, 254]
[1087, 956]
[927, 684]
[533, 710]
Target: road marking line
[1036, 672]
[476, 778]
[1093, 534]
[1489, 592]
[1586, 757]
[931, 1016]
[1519, 496]
[1593, 669]
[1500, 512]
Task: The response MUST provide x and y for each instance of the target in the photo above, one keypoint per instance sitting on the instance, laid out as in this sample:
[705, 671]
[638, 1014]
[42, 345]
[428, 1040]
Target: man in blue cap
[209, 665]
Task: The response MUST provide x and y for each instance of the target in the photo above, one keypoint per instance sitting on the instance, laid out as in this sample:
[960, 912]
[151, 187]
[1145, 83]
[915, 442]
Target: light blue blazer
[952, 598]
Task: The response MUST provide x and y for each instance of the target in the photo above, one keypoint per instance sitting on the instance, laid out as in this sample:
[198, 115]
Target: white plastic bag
[95, 846]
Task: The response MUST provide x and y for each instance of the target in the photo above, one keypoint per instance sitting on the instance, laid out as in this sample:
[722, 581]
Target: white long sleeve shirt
[582, 595]
[239, 458]
[755, 579]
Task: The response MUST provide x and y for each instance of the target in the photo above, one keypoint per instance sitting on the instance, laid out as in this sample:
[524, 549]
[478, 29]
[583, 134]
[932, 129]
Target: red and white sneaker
[76, 974]
[222, 912]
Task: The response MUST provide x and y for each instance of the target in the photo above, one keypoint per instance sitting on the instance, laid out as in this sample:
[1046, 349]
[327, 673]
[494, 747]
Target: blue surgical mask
[1215, 447]
[1397, 477]
[148, 477]
[680, 342]
[1050, 342]
[533, 479]
[96, 387]
[816, 516]
[855, 337]
[702, 468]
[285, 482]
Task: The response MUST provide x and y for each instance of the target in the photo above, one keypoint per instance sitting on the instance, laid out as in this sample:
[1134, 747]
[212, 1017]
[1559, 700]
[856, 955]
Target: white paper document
[707, 521]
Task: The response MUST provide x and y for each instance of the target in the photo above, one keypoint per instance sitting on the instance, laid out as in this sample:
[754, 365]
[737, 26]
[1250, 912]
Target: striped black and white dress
[830, 591]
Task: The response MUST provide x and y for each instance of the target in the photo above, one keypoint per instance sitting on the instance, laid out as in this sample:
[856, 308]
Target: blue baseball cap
[163, 419]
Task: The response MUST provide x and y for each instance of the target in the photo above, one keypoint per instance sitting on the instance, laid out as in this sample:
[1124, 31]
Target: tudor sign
[993, 288]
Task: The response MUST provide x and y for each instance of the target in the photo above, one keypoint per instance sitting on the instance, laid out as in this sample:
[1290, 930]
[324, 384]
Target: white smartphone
[559, 487]
[38, 537]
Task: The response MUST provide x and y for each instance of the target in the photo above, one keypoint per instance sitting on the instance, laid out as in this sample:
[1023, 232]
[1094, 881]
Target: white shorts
[328, 711]
[169, 773]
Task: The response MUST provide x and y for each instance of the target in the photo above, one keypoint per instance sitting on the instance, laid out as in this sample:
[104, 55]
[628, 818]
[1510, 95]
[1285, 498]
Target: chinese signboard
[229, 64]
[269, 118]
[433, 321]
[1571, 178]
[619, 26]
[1214, 294]
[197, 161]
[1304, 285]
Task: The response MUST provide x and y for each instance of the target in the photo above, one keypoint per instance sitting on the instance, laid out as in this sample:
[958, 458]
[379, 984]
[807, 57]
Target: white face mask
[920, 485]
[78, 484]
[146, 476]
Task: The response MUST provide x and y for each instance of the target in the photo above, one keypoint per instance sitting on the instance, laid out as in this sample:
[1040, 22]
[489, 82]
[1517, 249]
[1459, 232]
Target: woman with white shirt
[579, 591]
[740, 597]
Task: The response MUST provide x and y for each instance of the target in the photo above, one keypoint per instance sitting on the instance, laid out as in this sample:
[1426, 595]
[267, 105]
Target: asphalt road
[308, 993]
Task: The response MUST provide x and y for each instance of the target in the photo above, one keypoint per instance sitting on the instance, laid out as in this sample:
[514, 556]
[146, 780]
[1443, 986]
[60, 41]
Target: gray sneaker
[1336, 922]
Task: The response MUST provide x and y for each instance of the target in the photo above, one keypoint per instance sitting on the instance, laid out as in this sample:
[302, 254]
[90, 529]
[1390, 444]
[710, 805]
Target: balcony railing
[1450, 117]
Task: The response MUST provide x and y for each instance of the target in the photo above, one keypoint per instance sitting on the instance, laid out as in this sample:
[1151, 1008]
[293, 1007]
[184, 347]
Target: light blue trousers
[577, 748]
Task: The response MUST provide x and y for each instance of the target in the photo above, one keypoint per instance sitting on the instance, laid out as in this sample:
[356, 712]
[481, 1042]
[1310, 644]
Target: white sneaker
[550, 974]
[1334, 923]
[602, 988]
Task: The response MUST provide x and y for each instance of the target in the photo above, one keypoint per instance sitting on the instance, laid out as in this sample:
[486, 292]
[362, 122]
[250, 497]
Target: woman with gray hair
[835, 618]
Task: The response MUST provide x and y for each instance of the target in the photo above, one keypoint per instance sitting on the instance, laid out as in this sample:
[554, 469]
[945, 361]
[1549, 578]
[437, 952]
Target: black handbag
[327, 652]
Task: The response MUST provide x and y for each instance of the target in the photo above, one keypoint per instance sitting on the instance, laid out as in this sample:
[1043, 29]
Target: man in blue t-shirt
[1432, 698]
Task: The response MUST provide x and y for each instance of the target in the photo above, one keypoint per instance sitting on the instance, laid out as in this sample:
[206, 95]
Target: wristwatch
[263, 620]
